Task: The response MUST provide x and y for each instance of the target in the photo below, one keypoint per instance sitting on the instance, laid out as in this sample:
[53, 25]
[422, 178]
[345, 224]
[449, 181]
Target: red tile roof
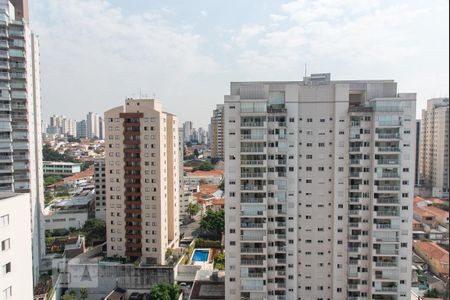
[83, 174]
[212, 173]
[432, 250]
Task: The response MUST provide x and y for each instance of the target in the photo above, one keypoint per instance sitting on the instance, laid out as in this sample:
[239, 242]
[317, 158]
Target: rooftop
[61, 163]
[83, 174]
[212, 173]
[432, 250]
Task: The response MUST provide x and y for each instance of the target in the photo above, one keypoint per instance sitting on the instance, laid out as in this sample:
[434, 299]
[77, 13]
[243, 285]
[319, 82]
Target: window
[6, 268]
[4, 220]
[6, 244]
[7, 293]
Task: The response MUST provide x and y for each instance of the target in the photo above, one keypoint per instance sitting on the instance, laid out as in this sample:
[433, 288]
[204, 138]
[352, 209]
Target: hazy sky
[95, 53]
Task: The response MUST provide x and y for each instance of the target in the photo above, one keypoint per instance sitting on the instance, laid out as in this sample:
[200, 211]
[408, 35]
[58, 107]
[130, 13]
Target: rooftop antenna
[306, 68]
[140, 93]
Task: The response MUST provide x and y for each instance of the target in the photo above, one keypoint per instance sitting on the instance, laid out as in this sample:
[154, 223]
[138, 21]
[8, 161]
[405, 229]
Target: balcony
[388, 149]
[355, 161]
[252, 262]
[387, 226]
[381, 213]
[388, 136]
[386, 289]
[252, 250]
[389, 162]
[384, 264]
[386, 239]
[253, 238]
[253, 200]
[386, 251]
[388, 188]
[250, 187]
[253, 175]
[387, 201]
[389, 175]
[253, 162]
[253, 225]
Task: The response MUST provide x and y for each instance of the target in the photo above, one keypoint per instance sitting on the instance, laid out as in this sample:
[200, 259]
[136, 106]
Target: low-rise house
[216, 204]
[208, 285]
[208, 177]
[435, 256]
[79, 179]
[423, 216]
[70, 213]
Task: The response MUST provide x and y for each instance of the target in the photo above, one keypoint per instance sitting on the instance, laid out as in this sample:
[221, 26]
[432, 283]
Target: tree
[219, 261]
[94, 230]
[69, 297]
[192, 209]
[196, 153]
[83, 293]
[213, 221]
[165, 291]
[431, 293]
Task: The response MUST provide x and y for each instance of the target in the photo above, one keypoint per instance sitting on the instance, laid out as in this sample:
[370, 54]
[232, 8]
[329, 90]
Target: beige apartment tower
[142, 181]
[319, 181]
[433, 162]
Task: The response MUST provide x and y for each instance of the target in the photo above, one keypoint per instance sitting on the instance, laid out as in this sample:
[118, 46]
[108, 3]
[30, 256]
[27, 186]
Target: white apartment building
[217, 136]
[20, 116]
[433, 164]
[142, 181]
[100, 189]
[16, 277]
[319, 179]
[94, 126]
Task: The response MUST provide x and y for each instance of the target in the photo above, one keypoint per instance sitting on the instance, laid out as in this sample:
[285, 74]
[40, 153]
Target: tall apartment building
[416, 170]
[319, 180]
[434, 147]
[62, 125]
[217, 134]
[142, 181]
[100, 189]
[20, 116]
[16, 281]
[82, 129]
[94, 126]
[187, 131]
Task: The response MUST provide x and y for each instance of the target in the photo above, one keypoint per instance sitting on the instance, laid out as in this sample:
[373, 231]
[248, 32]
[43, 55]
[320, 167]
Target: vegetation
[83, 293]
[51, 179]
[205, 166]
[443, 206]
[69, 297]
[48, 154]
[202, 243]
[219, 261]
[94, 231]
[193, 209]
[213, 221]
[165, 291]
[72, 139]
[431, 294]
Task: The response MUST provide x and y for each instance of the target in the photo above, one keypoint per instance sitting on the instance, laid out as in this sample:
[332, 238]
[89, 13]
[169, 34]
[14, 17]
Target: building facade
[187, 131]
[319, 180]
[142, 181]
[61, 168]
[217, 134]
[92, 125]
[81, 129]
[100, 189]
[16, 280]
[433, 165]
[20, 116]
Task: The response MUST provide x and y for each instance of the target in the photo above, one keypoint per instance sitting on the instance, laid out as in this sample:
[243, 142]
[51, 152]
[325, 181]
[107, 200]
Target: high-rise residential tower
[100, 189]
[92, 125]
[187, 131]
[319, 180]
[142, 181]
[20, 116]
[217, 134]
[433, 165]
[82, 129]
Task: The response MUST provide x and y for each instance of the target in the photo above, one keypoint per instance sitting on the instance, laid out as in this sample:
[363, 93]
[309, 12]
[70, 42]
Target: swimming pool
[200, 255]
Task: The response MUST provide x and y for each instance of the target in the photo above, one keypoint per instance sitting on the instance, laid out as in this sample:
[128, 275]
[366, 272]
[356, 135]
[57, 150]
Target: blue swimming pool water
[200, 255]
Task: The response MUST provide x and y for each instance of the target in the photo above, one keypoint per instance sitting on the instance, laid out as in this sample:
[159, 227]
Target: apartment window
[6, 268]
[6, 244]
[309, 120]
[7, 293]
[232, 243]
[4, 220]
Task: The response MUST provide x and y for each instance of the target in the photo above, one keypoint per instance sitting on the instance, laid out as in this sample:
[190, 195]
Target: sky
[96, 53]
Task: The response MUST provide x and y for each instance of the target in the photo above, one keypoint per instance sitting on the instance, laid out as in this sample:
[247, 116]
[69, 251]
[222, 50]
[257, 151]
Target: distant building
[93, 125]
[416, 170]
[16, 280]
[198, 177]
[100, 189]
[217, 133]
[82, 129]
[61, 168]
[187, 131]
[208, 285]
[434, 150]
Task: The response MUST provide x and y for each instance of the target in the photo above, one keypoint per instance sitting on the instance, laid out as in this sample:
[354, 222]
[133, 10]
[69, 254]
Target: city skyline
[208, 49]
